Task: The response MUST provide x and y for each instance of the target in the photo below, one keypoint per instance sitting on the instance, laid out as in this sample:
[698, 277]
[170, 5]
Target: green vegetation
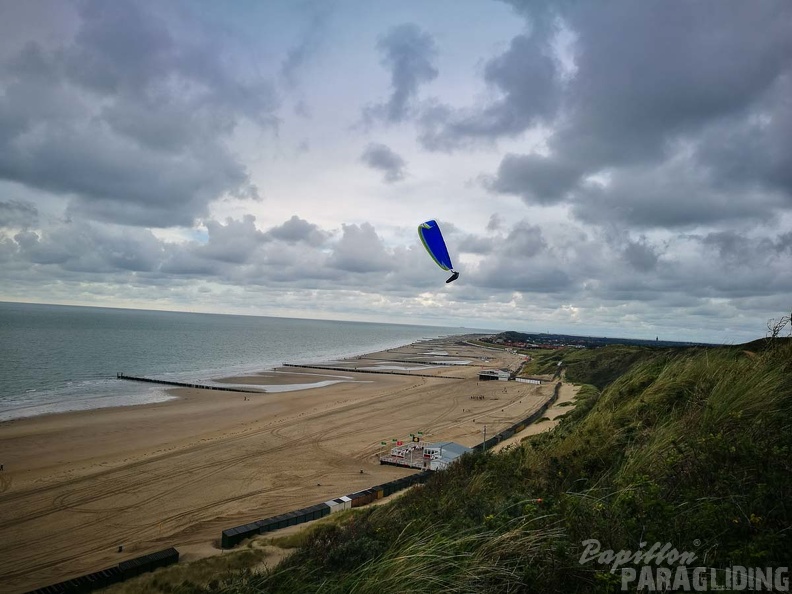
[691, 447]
[598, 367]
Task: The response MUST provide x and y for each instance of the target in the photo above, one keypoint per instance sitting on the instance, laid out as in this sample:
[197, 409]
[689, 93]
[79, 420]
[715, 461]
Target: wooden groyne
[381, 372]
[428, 363]
[186, 384]
[413, 361]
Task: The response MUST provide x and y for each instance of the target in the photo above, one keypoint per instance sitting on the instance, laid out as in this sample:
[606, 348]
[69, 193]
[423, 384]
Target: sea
[58, 358]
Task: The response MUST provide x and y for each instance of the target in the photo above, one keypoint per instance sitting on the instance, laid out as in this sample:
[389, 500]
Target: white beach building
[440, 455]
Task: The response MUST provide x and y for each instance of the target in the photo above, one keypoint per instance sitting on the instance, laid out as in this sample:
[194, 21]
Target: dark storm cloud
[360, 250]
[523, 241]
[236, 242]
[88, 249]
[382, 158]
[537, 179]
[16, 213]
[129, 119]
[673, 194]
[296, 253]
[698, 94]
[522, 261]
[229, 252]
[640, 255]
[727, 243]
[718, 265]
[513, 276]
[649, 71]
[752, 150]
[741, 249]
[593, 269]
[308, 45]
[783, 243]
[119, 47]
[475, 244]
[495, 222]
[526, 76]
[408, 53]
[299, 230]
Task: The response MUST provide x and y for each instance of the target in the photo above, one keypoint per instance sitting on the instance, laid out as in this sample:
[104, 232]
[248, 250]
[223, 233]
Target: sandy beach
[76, 486]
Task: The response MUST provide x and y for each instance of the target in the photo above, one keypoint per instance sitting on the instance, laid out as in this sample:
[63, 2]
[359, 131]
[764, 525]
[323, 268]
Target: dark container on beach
[233, 536]
[282, 521]
[301, 516]
[389, 488]
[314, 512]
[267, 525]
[139, 565]
[228, 538]
[424, 476]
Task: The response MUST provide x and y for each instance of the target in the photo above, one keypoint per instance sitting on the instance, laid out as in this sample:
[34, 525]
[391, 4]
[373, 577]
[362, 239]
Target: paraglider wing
[432, 239]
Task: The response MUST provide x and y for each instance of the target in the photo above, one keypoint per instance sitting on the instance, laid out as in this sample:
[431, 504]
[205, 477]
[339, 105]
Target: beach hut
[335, 505]
[363, 497]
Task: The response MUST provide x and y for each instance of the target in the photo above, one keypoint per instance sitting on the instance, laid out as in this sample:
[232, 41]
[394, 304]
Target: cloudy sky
[615, 168]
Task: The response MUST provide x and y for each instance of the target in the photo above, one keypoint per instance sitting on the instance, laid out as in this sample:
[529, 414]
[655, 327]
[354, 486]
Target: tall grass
[433, 561]
[429, 560]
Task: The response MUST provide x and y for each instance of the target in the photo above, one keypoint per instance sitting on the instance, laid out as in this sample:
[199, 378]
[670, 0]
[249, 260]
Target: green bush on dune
[690, 447]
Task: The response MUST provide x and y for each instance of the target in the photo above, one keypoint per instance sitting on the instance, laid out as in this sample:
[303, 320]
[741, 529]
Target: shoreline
[176, 473]
[156, 394]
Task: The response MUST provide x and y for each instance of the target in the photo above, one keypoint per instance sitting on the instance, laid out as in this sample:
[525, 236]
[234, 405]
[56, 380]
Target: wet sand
[78, 485]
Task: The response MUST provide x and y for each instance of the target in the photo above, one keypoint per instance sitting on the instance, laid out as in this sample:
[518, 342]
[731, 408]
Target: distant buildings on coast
[542, 342]
[523, 340]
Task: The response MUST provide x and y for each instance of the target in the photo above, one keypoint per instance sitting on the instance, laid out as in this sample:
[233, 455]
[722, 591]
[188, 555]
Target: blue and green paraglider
[432, 239]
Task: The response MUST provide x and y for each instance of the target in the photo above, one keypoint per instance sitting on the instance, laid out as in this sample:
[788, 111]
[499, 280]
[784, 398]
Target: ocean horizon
[59, 358]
